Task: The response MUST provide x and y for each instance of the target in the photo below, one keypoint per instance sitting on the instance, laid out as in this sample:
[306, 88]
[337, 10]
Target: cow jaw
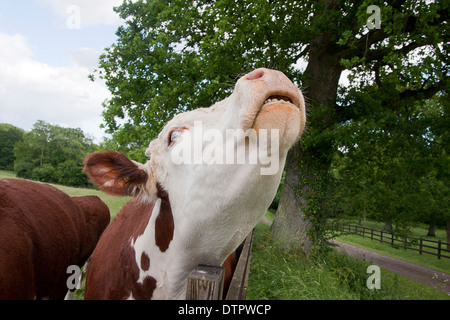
[281, 115]
[269, 100]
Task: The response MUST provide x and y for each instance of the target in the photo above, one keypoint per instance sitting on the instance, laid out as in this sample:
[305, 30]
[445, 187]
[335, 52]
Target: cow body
[42, 232]
[194, 212]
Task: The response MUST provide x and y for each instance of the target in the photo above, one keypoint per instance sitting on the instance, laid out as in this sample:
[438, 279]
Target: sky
[47, 50]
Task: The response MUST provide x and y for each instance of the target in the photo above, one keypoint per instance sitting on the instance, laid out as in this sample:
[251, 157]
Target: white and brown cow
[187, 213]
[43, 231]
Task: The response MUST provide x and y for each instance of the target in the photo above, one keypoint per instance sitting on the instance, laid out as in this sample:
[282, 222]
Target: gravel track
[434, 278]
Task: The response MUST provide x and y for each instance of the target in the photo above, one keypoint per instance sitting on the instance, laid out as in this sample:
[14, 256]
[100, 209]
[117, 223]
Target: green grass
[114, 203]
[270, 215]
[279, 275]
[7, 174]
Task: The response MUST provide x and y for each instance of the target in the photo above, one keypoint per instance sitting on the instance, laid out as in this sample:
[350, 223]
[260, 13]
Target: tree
[173, 56]
[51, 153]
[9, 135]
[396, 160]
[371, 54]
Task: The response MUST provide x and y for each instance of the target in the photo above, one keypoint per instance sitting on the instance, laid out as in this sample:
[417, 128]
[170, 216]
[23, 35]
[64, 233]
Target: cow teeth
[278, 100]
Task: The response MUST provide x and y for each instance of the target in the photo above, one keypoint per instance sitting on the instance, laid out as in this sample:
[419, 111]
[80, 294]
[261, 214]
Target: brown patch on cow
[144, 210]
[164, 224]
[114, 250]
[144, 291]
[145, 261]
[139, 291]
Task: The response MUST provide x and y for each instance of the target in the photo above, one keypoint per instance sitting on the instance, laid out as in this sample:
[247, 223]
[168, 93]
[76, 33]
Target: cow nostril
[254, 75]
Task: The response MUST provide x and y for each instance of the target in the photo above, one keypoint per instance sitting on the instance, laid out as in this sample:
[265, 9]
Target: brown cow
[42, 232]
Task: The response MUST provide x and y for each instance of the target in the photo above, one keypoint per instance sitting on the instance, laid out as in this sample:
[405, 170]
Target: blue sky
[48, 34]
[47, 50]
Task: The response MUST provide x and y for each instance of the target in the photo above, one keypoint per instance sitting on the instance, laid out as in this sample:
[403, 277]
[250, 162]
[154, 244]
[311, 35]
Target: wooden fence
[407, 242]
[206, 282]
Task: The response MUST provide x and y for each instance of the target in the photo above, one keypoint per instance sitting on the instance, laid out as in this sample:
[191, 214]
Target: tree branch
[301, 54]
[375, 36]
[380, 53]
[422, 93]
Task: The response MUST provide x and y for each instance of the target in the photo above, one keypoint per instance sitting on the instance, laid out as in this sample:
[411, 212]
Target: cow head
[220, 166]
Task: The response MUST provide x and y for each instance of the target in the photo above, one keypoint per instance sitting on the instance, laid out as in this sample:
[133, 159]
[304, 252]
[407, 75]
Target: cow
[197, 197]
[43, 231]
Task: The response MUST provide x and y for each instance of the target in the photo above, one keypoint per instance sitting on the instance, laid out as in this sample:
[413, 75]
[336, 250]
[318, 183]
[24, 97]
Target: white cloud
[14, 48]
[85, 58]
[31, 90]
[87, 12]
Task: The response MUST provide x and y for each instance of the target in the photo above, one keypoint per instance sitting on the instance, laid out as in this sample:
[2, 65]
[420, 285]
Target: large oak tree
[173, 56]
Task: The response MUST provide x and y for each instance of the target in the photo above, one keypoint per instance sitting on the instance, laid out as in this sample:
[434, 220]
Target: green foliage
[51, 153]
[393, 163]
[182, 55]
[9, 135]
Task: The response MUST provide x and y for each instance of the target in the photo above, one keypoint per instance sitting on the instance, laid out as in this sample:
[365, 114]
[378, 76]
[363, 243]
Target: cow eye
[173, 135]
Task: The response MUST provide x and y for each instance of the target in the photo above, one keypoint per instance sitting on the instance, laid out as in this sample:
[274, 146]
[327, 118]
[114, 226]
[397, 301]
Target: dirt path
[436, 279]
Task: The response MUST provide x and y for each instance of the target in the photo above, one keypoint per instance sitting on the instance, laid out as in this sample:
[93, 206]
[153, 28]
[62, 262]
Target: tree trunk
[290, 226]
[295, 225]
[364, 217]
[387, 224]
[42, 157]
[432, 227]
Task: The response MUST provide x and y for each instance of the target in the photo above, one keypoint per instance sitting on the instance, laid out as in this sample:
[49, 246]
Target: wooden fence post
[406, 241]
[420, 245]
[381, 236]
[439, 249]
[205, 283]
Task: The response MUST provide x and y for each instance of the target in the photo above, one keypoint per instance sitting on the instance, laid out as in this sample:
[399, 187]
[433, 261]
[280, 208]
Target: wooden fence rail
[206, 282]
[407, 242]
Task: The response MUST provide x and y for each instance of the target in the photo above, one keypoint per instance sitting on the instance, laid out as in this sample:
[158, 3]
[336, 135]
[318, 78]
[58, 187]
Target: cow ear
[114, 173]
